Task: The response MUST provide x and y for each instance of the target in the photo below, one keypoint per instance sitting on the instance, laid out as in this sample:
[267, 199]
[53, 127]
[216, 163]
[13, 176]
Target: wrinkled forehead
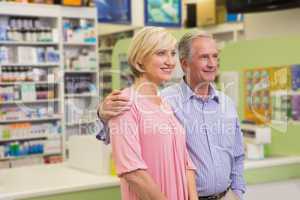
[204, 46]
[204, 42]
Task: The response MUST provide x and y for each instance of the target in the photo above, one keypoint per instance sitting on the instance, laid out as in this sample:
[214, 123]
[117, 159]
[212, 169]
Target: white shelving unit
[31, 111]
[106, 46]
[285, 92]
[29, 83]
[16, 43]
[80, 106]
[105, 49]
[30, 64]
[82, 95]
[52, 16]
[80, 123]
[79, 44]
[31, 119]
[80, 71]
[28, 102]
[30, 137]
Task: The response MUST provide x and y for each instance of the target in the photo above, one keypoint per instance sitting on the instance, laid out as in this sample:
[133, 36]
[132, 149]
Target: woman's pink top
[149, 137]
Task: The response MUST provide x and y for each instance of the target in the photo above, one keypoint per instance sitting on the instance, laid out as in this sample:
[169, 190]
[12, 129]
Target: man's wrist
[100, 117]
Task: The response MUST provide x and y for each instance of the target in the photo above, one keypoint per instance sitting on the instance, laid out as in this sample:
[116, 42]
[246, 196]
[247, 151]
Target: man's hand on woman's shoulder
[113, 105]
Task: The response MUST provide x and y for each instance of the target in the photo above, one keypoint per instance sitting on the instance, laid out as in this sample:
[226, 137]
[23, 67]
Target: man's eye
[173, 53]
[203, 57]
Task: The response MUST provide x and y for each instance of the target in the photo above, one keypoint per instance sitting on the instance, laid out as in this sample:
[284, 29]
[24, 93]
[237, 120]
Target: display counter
[47, 180]
[61, 182]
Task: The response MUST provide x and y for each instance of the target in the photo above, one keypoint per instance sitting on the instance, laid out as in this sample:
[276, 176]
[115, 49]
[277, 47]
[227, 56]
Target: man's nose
[212, 61]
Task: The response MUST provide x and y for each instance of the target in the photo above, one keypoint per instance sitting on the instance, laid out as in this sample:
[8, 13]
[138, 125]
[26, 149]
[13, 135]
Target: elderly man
[214, 138]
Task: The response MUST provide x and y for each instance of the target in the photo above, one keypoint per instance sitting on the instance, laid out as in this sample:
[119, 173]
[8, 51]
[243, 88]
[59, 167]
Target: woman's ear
[140, 64]
[140, 67]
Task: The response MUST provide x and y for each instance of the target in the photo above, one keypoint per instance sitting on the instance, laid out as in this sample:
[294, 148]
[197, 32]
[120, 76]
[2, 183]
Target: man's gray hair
[184, 45]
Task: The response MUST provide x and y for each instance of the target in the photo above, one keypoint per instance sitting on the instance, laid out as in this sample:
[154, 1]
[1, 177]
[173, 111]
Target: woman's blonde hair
[146, 42]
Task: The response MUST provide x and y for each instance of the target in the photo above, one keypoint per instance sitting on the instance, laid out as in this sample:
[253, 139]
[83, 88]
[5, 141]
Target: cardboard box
[72, 2]
[206, 12]
[280, 78]
[221, 11]
[295, 73]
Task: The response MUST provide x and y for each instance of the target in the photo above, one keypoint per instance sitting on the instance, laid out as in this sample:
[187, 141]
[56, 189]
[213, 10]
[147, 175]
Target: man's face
[202, 65]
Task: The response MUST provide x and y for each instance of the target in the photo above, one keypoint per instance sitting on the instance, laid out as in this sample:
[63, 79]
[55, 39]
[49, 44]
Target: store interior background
[80, 167]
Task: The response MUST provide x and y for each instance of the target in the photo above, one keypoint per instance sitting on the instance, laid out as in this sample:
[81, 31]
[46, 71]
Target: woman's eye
[173, 53]
[160, 53]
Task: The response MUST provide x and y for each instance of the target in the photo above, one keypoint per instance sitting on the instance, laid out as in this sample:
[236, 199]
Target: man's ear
[183, 64]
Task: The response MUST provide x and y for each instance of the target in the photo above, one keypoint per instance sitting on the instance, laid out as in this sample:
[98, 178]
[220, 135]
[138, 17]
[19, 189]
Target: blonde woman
[148, 142]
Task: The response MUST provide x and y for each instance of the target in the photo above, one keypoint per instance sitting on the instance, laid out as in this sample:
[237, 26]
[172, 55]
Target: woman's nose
[171, 59]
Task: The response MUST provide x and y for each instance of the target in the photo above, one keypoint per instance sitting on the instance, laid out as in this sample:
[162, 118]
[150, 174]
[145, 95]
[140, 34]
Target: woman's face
[159, 66]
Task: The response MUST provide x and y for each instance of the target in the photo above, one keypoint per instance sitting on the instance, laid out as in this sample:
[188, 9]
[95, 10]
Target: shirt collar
[187, 92]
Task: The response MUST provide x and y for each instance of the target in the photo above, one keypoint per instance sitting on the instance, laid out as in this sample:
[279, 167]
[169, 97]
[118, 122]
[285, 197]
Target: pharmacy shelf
[79, 44]
[53, 118]
[28, 102]
[106, 86]
[294, 92]
[284, 92]
[80, 95]
[29, 82]
[105, 68]
[87, 97]
[30, 64]
[53, 16]
[105, 49]
[20, 43]
[285, 123]
[28, 137]
[105, 63]
[50, 16]
[79, 71]
[28, 156]
[80, 123]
